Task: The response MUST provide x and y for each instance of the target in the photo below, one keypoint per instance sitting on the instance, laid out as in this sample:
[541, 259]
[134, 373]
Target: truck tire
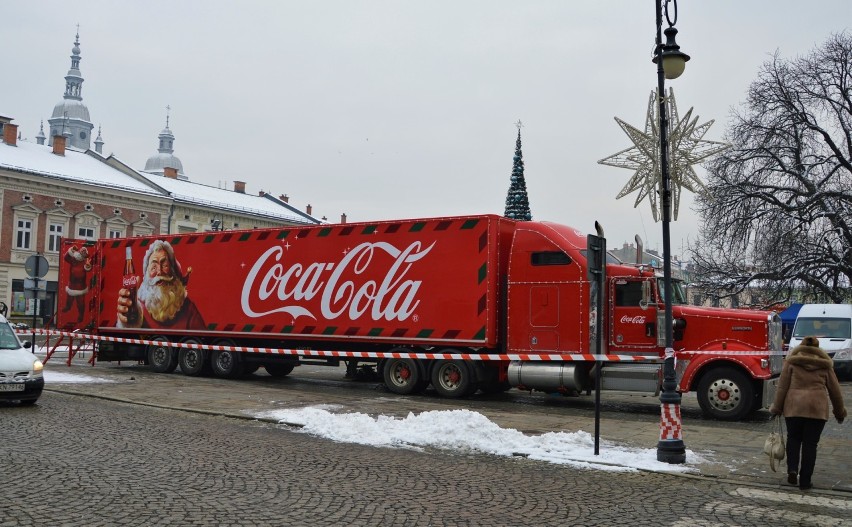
[161, 357]
[452, 378]
[726, 393]
[226, 363]
[404, 376]
[193, 361]
[279, 369]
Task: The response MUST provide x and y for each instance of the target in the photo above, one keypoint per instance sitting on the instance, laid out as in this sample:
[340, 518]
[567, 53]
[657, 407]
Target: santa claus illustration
[79, 264]
[162, 300]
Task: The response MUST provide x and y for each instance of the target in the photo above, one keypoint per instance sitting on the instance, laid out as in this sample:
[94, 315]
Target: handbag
[774, 446]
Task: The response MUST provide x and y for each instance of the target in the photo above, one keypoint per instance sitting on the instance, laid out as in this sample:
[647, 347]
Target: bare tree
[777, 214]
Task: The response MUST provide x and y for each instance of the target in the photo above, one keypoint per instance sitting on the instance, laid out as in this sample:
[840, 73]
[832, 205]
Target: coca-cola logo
[392, 297]
[129, 282]
[638, 319]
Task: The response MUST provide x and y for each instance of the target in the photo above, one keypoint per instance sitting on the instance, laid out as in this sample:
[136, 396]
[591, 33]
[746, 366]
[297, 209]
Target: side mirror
[28, 344]
[646, 295]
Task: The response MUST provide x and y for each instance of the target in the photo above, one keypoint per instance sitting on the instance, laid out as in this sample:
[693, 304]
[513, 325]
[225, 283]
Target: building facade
[67, 190]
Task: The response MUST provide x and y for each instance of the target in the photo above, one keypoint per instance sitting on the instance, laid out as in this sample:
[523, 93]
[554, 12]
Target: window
[115, 234]
[54, 235]
[550, 258]
[24, 235]
[88, 226]
[628, 293]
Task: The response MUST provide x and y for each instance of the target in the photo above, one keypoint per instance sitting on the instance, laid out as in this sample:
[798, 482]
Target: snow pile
[467, 431]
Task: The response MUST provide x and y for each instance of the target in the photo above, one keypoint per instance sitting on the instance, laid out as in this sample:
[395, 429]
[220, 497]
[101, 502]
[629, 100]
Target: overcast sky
[393, 109]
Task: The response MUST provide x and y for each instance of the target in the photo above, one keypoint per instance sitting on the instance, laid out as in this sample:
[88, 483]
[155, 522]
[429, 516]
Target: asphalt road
[155, 449]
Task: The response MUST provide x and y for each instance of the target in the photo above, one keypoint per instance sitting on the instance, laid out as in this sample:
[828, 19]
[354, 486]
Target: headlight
[38, 366]
[842, 355]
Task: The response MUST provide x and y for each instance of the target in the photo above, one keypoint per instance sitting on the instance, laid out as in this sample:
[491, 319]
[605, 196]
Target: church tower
[165, 156]
[70, 116]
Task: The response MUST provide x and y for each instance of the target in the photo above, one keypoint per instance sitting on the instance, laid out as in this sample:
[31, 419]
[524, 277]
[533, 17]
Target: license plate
[11, 387]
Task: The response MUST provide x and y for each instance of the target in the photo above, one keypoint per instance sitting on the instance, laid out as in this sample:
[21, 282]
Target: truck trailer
[459, 303]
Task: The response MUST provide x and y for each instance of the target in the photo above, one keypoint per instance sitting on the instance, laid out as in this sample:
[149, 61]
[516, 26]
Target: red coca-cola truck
[462, 303]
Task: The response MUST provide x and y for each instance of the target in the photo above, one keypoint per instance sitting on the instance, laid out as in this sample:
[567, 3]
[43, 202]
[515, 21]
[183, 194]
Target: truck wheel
[161, 356]
[279, 369]
[452, 378]
[404, 376]
[227, 363]
[726, 394]
[193, 361]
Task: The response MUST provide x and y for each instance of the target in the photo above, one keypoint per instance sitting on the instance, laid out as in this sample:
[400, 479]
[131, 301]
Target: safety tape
[566, 357]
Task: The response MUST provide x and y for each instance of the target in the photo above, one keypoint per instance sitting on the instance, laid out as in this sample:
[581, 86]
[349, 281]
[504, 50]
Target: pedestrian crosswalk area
[756, 506]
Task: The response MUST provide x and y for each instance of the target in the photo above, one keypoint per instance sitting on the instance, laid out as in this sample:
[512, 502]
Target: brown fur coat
[806, 384]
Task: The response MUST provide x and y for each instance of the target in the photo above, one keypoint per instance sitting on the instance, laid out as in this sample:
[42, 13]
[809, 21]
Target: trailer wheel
[226, 364]
[161, 356]
[279, 369]
[193, 361]
[726, 394]
[452, 378]
[404, 376]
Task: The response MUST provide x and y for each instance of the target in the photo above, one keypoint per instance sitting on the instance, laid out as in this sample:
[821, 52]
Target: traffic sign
[35, 294]
[31, 284]
[36, 266]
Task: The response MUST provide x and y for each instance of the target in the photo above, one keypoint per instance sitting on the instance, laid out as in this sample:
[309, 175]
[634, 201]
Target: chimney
[261, 193]
[240, 186]
[308, 209]
[343, 218]
[170, 172]
[10, 134]
[59, 145]
[285, 198]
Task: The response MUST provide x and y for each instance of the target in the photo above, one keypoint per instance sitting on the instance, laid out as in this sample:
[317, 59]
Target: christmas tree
[517, 201]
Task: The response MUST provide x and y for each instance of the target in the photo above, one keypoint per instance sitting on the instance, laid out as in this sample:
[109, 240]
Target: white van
[832, 325]
[21, 377]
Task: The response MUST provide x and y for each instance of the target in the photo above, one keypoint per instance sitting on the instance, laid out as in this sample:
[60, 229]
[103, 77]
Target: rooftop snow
[74, 166]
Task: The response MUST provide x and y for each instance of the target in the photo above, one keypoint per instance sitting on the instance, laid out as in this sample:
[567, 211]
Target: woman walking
[807, 383]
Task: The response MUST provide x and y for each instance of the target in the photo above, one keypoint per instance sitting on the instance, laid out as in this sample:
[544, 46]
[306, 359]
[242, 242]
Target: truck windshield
[678, 294]
[822, 327]
[8, 339]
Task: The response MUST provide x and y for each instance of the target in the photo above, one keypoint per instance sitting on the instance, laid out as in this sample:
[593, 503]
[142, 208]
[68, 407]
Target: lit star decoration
[686, 148]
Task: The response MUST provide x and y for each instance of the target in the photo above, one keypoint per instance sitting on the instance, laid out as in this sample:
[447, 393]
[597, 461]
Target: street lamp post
[670, 64]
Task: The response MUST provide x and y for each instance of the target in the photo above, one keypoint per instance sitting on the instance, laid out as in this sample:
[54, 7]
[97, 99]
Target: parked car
[21, 377]
[832, 325]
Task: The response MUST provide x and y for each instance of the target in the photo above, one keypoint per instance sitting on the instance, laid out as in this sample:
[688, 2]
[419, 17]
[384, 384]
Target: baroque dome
[158, 162]
[75, 110]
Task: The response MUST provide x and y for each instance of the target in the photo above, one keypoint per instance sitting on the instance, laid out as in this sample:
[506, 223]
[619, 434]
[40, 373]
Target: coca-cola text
[393, 297]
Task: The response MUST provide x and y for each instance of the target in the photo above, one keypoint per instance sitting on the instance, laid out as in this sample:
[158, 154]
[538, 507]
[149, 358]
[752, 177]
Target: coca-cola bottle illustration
[130, 282]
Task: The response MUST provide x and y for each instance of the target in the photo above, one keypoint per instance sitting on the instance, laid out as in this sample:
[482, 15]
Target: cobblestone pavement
[166, 450]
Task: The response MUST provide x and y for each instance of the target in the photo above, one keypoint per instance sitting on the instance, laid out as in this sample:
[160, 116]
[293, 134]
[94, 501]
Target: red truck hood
[722, 313]
[710, 328]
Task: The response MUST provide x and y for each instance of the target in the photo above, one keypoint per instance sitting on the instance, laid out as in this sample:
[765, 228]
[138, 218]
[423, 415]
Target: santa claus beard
[163, 297]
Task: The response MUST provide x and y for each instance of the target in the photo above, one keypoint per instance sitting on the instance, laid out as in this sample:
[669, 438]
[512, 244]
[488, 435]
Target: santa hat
[162, 245]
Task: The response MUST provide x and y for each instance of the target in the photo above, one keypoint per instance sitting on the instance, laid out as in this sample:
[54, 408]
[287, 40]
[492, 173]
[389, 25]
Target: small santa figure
[79, 264]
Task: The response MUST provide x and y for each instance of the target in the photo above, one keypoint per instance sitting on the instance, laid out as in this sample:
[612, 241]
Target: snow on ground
[52, 373]
[467, 431]
[51, 376]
